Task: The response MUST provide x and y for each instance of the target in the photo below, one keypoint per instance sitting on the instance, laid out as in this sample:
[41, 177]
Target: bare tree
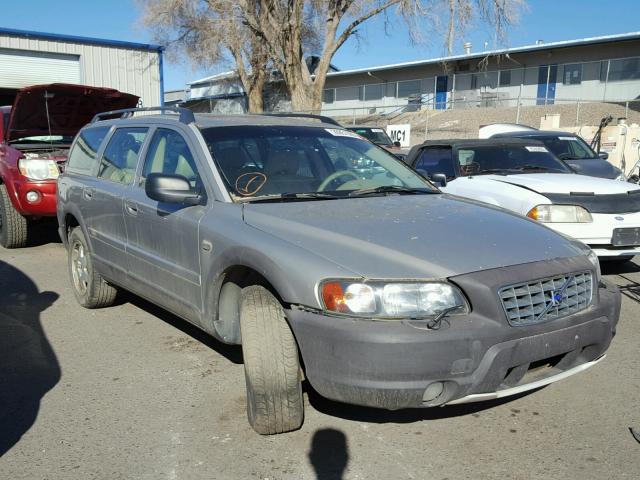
[287, 32]
[211, 33]
[282, 23]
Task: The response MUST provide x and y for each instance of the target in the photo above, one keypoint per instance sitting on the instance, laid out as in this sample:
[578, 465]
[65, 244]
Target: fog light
[432, 392]
[32, 196]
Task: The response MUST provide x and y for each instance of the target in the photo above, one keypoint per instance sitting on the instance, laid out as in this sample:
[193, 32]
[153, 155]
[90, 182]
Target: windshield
[307, 162]
[509, 159]
[376, 135]
[569, 147]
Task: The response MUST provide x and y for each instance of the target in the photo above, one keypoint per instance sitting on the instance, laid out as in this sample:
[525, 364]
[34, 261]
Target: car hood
[594, 167]
[69, 108]
[410, 236]
[565, 183]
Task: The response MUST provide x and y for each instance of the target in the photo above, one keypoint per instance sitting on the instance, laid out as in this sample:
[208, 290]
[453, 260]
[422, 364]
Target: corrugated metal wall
[128, 70]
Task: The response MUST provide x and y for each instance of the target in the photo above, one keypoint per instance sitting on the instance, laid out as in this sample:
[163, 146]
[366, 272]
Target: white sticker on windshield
[336, 132]
[569, 139]
[536, 149]
[377, 130]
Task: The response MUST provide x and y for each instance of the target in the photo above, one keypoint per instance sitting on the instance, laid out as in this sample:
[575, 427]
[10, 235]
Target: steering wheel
[335, 175]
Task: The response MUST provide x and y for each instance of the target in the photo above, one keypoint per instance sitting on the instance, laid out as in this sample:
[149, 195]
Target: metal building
[31, 58]
[597, 69]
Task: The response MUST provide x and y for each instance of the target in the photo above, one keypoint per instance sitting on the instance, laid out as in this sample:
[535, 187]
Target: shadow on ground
[43, 232]
[233, 353]
[329, 454]
[629, 286]
[28, 365]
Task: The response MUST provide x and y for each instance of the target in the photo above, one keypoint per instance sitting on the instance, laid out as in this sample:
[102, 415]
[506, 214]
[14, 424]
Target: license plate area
[626, 237]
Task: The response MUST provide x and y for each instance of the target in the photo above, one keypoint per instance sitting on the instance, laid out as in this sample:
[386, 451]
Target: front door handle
[131, 208]
[87, 193]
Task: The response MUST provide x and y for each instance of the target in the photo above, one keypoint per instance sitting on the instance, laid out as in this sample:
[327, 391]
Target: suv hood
[410, 236]
[564, 183]
[70, 108]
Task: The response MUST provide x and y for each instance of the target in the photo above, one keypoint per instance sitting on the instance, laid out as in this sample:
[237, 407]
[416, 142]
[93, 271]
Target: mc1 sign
[400, 133]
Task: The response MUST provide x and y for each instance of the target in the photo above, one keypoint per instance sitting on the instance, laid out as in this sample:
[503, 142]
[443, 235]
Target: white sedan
[524, 177]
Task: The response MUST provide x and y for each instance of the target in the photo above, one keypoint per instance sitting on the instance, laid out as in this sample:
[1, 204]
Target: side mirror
[440, 178]
[166, 188]
[397, 144]
[603, 155]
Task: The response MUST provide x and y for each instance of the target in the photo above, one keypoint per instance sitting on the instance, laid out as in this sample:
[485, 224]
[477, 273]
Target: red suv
[36, 133]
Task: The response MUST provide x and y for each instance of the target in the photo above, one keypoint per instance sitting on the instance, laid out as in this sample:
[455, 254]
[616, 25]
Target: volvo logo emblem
[619, 218]
[557, 296]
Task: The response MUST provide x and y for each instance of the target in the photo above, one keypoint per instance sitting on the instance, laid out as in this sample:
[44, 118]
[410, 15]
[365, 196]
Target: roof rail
[186, 115]
[322, 118]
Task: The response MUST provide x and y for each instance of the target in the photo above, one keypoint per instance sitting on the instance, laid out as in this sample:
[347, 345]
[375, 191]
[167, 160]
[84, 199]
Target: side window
[169, 154]
[436, 160]
[83, 156]
[120, 158]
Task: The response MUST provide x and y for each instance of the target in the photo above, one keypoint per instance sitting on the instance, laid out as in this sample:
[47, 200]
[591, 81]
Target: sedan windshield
[568, 147]
[508, 159]
[376, 135]
[306, 163]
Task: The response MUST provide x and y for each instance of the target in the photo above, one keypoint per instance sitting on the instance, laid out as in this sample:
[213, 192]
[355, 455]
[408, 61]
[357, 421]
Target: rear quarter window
[82, 158]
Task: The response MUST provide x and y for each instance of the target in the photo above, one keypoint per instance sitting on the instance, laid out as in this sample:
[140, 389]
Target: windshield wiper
[504, 171]
[285, 197]
[390, 189]
[533, 167]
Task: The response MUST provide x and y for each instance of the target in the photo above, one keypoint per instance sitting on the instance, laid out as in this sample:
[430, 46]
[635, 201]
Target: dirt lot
[132, 392]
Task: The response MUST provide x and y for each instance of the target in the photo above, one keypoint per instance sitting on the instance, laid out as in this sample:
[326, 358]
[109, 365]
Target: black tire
[89, 287]
[271, 365]
[13, 226]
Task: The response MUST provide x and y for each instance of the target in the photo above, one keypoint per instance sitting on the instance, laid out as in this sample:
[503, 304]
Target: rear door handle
[87, 193]
[131, 208]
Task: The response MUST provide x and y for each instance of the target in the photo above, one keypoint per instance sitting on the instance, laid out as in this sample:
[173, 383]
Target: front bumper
[390, 364]
[598, 234]
[45, 206]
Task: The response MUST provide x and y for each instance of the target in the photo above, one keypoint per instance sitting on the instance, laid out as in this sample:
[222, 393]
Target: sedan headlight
[392, 299]
[560, 214]
[38, 169]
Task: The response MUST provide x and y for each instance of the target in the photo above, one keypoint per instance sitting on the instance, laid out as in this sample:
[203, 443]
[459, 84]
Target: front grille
[545, 299]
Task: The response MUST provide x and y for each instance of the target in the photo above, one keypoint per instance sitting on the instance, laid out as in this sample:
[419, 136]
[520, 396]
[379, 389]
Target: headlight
[560, 214]
[593, 258]
[38, 169]
[391, 299]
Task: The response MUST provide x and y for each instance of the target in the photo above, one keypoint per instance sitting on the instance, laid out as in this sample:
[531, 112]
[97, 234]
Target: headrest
[283, 162]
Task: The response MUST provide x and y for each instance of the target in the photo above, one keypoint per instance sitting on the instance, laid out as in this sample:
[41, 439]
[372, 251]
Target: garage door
[21, 68]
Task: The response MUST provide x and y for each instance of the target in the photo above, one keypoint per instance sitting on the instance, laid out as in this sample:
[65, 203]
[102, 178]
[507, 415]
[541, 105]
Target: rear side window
[82, 159]
[120, 158]
[436, 160]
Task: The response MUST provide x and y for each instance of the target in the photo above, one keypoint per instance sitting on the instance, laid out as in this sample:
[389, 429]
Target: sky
[548, 20]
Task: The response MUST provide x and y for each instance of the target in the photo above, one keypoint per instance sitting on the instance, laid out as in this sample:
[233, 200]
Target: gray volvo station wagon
[327, 259]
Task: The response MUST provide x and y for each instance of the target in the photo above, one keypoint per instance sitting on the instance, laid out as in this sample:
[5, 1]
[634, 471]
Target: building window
[407, 88]
[624, 69]
[572, 74]
[474, 81]
[348, 93]
[505, 78]
[374, 92]
[328, 95]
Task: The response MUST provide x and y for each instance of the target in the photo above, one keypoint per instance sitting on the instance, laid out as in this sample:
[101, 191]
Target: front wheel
[271, 365]
[90, 289]
[13, 226]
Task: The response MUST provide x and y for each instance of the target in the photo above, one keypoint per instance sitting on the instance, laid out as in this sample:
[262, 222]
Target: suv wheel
[13, 226]
[89, 287]
[271, 365]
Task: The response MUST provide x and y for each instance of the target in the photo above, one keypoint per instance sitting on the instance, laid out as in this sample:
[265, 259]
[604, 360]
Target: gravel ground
[132, 392]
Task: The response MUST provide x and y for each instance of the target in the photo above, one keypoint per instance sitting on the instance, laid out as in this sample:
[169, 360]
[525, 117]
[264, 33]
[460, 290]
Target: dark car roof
[474, 142]
[534, 133]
